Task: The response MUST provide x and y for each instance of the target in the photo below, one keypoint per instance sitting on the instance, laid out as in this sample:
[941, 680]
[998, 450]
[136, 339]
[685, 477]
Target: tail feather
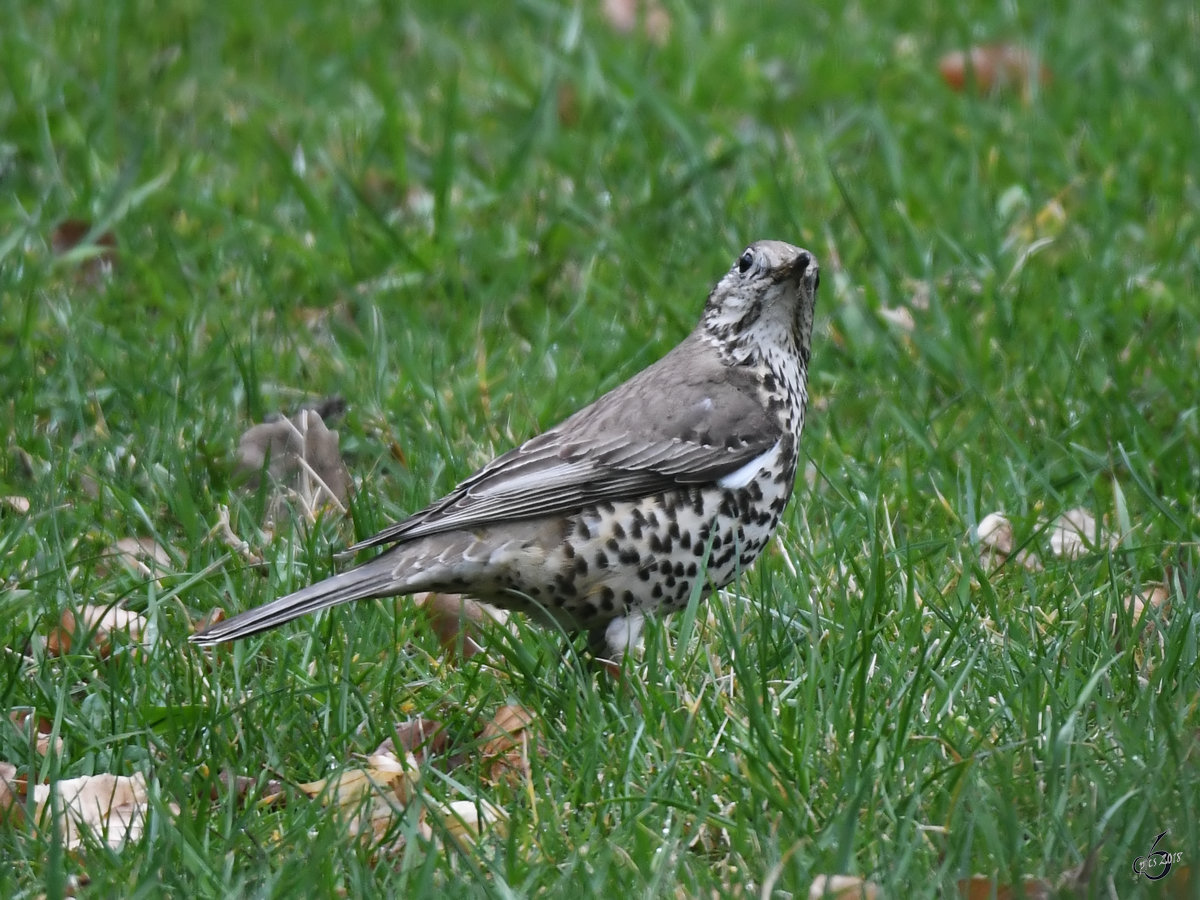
[372, 579]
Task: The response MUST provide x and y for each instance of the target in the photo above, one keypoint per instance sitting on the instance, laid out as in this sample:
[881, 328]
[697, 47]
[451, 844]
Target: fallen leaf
[420, 737]
[981, 887]
[843, 887]
[568, 104]
[37, 730]
[209, 619]
[223, 532]
[95, 258]
[899, 316]
[15, 503]
[623, 16]
[302, 459]
[505, 742]
[97, 622]
[1075, 532]
[995, 534]
[994, 67]
[9, 793]
[466, 820]
[240, 787]
[143, 556]
[996, 544]
[1148, 612]
[457, 621]
[370, 797]
[111, 808]
[1154, 600]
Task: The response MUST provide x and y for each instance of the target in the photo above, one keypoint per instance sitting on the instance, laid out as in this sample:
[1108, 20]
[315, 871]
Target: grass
[470, 223]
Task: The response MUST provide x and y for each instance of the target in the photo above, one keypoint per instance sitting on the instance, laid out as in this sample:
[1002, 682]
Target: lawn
[468, 222]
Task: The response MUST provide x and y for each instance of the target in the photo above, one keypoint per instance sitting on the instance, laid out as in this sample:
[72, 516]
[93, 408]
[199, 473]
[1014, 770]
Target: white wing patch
[743, 475]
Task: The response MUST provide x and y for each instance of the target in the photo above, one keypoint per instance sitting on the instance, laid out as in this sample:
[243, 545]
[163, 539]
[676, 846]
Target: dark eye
[746, 261]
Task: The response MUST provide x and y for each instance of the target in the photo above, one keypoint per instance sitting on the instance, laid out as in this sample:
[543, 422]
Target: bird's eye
[745, 262]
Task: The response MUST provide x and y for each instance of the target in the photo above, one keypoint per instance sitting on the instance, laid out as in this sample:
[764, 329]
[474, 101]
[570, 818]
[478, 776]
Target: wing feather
[631, 443]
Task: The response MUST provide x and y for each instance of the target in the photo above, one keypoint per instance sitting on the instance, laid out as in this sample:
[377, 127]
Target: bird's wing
[655, 432]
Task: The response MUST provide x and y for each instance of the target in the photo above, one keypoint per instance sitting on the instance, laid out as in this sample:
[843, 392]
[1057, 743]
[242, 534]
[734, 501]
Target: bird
[676, 478]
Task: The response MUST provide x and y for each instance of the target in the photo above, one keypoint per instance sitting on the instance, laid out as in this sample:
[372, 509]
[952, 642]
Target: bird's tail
[376, 578]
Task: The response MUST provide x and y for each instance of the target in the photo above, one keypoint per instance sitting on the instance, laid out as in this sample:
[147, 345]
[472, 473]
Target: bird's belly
[639, 556]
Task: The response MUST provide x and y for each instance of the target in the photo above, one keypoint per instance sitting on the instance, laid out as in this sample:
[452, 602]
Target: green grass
[469, 224]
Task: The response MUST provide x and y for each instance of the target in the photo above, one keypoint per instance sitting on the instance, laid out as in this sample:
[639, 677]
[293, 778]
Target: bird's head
[764, 302]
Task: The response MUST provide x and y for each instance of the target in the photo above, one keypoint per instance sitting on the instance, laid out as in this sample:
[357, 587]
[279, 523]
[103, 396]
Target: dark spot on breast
[601, 559]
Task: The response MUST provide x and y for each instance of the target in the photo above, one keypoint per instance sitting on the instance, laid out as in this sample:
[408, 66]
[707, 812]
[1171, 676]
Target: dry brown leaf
[143, 556]
[843, 887]
[466, 820]
[568, 104]
[996, 535]
[241, 786]
[899, 316]
[996, 544]
[210, 618]
[302, 459]
[36, 729]
[111, 808]
[623, 16]
[1148, 611]
[370, 797]
[1075, 533]
[422, 738]
[98, 622]
[1154, 601]
[505, 742]
[16, 504]
[994, 67]
[223, 532]
[10, 792]
[457, 620]
[96, 258]
[981, 887]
